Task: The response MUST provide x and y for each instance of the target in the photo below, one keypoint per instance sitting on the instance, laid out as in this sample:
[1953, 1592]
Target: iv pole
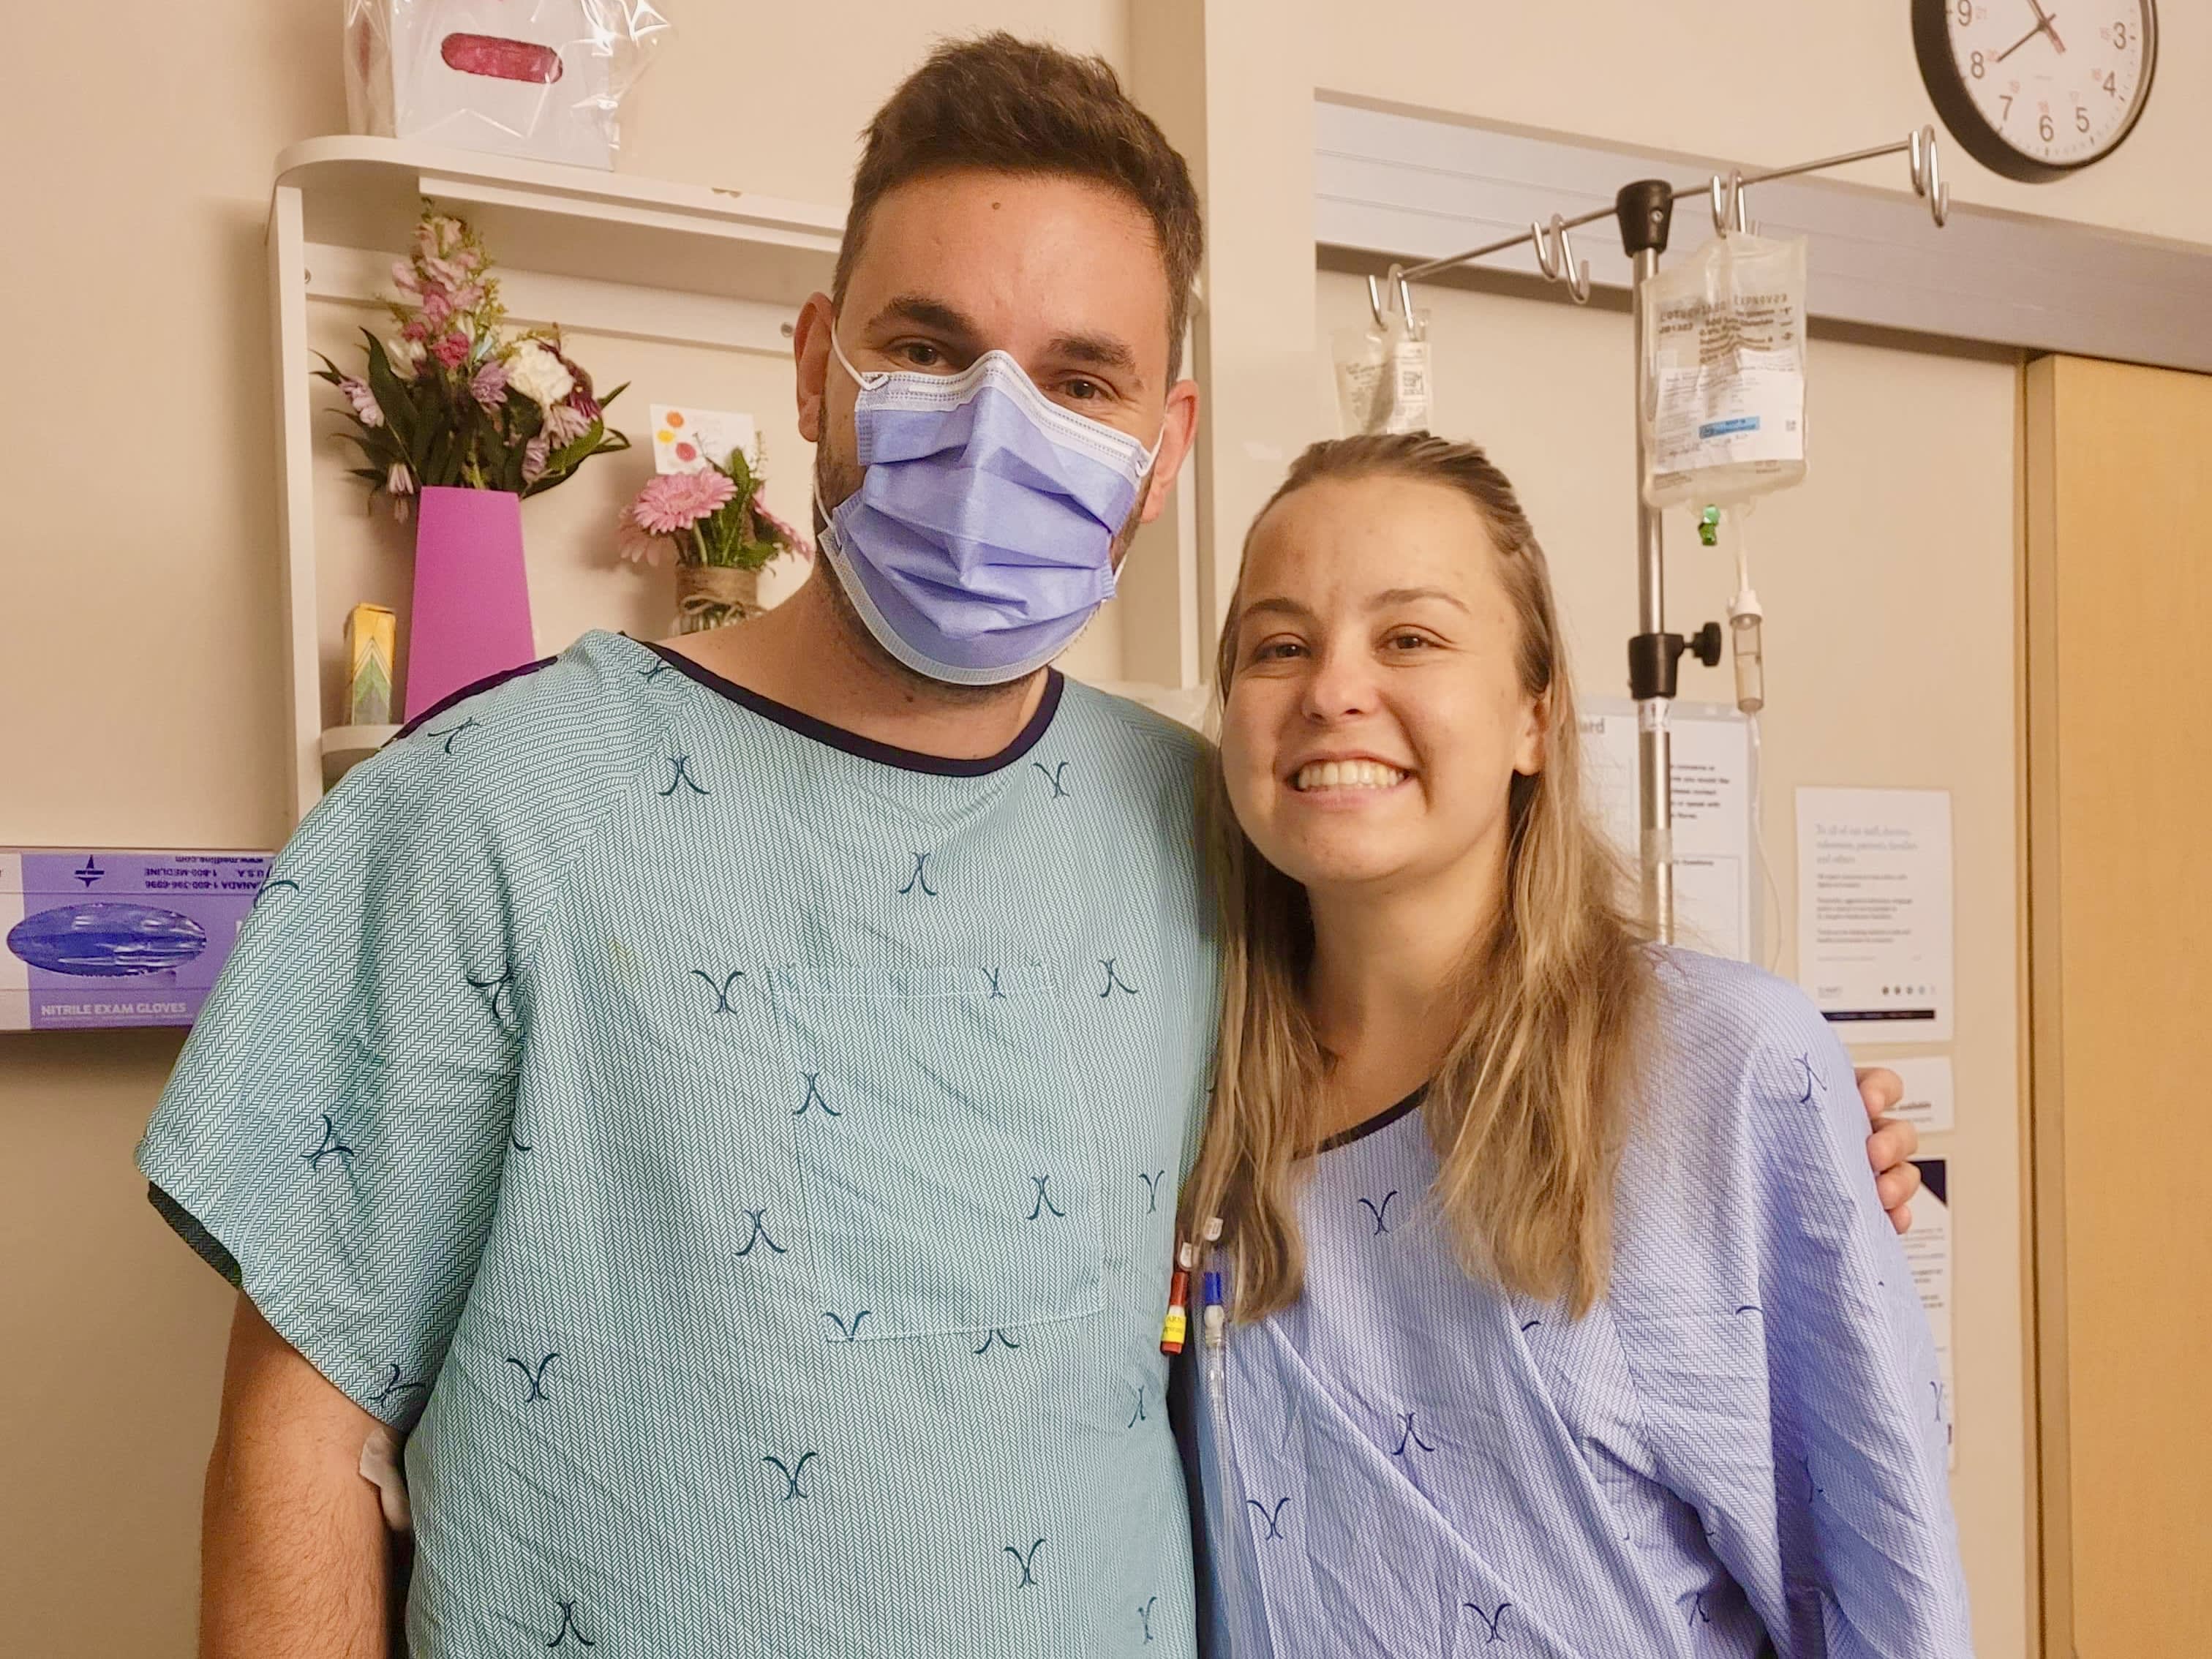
[1644, 211]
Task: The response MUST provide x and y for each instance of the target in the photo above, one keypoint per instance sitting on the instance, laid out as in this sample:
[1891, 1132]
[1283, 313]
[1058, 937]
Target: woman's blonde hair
[1528, 1111]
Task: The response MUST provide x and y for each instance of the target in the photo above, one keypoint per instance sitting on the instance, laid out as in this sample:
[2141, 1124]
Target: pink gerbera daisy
[671, 502]
[796, 543]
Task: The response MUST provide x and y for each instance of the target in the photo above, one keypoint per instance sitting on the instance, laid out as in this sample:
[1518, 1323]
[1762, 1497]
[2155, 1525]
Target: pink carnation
[672, 502]
[451, 350]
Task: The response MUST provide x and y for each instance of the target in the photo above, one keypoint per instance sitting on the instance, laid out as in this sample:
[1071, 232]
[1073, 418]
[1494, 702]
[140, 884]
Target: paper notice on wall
[688, 439]
[1714, 881]
[1928, 1252]
[1928, 1103]
[1874, 911]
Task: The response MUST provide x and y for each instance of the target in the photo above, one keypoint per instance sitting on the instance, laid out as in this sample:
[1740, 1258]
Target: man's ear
[1534, 748]
[810, 354]
[1178, 433]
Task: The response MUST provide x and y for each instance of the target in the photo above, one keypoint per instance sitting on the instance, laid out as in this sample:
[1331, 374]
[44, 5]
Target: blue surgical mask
[980, 542]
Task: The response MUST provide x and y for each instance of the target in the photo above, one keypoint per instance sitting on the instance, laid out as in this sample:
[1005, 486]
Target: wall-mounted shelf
[344, 747]
[601, 252]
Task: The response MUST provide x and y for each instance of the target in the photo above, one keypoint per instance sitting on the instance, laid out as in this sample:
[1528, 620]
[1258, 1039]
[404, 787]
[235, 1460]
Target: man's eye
[1082, 390]
[919, 353]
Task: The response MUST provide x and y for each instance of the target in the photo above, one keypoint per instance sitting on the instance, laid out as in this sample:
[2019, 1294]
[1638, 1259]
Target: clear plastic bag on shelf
[1726, 420]
[539, 78]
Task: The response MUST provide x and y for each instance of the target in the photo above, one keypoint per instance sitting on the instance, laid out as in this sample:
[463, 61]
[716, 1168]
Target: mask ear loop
[867, 382]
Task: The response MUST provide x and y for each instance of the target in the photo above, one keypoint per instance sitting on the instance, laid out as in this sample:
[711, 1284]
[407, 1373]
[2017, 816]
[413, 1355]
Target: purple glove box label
[97, 938]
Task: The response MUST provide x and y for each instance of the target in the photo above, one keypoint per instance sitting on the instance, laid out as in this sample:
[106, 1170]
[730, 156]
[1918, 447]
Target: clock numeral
[2080, 118]
[2048, 131]
[2007, 97]
[2112, 84]
[2120, 37]
[1978, 67]
[1965, 12]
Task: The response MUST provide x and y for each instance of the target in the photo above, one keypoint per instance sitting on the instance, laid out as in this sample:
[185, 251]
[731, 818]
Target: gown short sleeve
[335, 1130]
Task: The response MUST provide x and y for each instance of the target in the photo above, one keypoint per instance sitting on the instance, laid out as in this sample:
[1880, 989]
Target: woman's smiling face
[1377, 715]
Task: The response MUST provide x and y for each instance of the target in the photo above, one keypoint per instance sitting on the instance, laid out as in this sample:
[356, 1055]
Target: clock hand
[2040, 28]
[2048, 23]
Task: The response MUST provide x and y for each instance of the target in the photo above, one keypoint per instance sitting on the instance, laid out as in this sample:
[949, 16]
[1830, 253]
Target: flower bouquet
[454, 411]
[712, 520]
[449, 401]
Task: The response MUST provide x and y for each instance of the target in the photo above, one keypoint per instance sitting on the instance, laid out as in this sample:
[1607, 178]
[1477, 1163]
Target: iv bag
[1383, 379]
[1724, 417]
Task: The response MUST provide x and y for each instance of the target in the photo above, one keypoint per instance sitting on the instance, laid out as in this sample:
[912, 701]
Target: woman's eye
[1278, 651]
[1408, 641]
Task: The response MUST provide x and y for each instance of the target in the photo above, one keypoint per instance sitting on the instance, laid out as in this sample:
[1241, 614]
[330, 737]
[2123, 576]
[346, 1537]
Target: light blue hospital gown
[1745, 1437]
[743, 1155]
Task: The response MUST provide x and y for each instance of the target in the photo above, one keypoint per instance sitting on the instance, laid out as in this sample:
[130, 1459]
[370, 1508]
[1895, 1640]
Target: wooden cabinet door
[2119, 726]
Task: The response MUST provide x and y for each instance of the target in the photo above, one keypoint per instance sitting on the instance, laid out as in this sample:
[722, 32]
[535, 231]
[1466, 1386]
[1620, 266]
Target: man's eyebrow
[1099, 350]
[924, 312]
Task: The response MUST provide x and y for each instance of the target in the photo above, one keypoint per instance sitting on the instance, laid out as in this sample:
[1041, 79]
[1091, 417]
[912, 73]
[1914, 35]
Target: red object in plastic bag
[500, 60]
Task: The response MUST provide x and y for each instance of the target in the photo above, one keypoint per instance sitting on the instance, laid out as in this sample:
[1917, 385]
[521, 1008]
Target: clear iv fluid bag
[1724, 415]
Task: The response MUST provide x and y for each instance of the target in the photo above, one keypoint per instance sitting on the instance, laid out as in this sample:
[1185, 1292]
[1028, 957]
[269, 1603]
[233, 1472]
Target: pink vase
[472, 614]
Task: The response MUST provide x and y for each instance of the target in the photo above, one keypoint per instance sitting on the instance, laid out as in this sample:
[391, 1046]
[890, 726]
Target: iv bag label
[1409, 386]
[1727, 413]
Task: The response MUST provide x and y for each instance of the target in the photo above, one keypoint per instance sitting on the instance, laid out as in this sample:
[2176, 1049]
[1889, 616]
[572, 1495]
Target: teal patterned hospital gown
[742, 1154]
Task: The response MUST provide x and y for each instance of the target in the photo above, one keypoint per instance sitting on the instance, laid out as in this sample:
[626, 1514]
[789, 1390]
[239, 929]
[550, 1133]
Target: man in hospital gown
[725, 1106]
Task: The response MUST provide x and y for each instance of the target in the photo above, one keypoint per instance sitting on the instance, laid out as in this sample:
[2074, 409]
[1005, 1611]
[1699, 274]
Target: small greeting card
[688, 439]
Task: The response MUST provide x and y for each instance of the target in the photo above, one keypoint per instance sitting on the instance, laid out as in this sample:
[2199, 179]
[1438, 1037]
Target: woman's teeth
[1347, 774]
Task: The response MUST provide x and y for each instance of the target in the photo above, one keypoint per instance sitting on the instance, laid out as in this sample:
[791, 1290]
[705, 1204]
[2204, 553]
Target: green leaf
[439, 468]
[391, 397]
[373, 447]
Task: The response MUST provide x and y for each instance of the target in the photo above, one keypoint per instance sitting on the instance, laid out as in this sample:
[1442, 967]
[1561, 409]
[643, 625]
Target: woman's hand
[1891, 1146]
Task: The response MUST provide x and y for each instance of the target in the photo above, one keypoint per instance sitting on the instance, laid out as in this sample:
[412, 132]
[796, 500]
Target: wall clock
[2036, 89]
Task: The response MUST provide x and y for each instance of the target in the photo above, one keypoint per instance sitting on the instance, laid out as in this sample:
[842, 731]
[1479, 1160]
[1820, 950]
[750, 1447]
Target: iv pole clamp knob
[1654, 659]
[1646, 211]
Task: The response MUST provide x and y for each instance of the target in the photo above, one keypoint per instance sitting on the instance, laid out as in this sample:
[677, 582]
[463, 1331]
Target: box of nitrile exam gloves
[97, 939]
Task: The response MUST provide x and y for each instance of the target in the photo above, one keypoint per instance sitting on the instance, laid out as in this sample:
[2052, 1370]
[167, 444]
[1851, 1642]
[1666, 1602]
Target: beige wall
[1766, 81]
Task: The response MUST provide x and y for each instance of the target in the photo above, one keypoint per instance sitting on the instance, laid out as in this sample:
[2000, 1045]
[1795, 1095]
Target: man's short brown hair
[1004, 105]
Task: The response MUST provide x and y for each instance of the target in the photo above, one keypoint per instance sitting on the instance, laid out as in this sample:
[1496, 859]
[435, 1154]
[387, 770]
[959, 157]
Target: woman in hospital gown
[1564, 1317]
